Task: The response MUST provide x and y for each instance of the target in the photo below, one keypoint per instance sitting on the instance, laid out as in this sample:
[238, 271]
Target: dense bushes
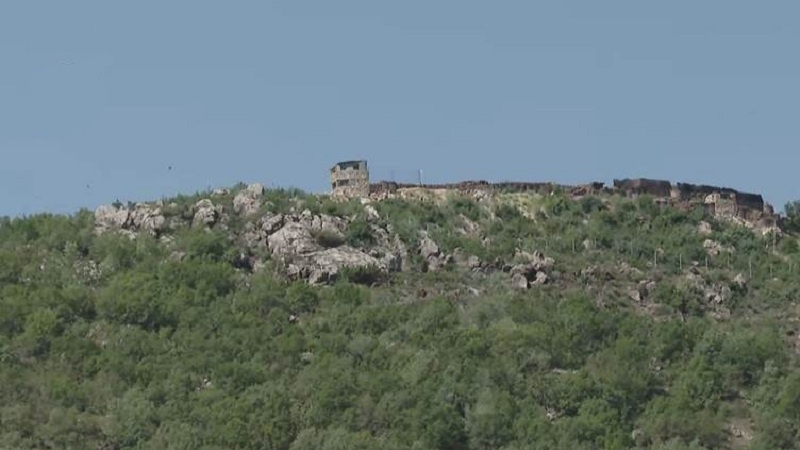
[158, 352]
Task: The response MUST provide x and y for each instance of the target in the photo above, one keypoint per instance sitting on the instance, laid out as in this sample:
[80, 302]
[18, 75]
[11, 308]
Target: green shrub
[369, 275]
[359, 233]
[328, 238]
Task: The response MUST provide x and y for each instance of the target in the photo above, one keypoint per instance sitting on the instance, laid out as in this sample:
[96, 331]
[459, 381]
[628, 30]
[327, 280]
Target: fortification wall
[387, 188]
[643, 186]
[721, 202]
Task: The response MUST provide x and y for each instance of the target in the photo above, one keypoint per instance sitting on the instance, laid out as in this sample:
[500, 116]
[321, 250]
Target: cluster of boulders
[434, 258]
[140, 217]
[313, 246]
[532, 271]
[150, 218]
[207, 214]
[714, 248]
[248, 201]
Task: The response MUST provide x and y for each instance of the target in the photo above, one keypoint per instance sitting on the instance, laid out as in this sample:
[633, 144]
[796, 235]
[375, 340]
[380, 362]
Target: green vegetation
[109, 342]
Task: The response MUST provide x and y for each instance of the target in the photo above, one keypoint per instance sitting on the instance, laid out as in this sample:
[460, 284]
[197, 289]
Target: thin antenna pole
[419, 174]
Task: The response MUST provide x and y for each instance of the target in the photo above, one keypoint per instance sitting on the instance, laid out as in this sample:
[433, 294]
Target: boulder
[740, 281]
[325, 266]
[372, 213]
[434, 258]
[270, 224]
[248, 201]
[704, 229]
[147, 218]
[714, 248]
[519, 281]
[293, 239]
[642, 291]
[539, 279]
[107, 217]
[142, 217]
[206, 213]
[535, 269]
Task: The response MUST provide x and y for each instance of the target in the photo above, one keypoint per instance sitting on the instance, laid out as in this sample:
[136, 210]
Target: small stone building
[350, 179]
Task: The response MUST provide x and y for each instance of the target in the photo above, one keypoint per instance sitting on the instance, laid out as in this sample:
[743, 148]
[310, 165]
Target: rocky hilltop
[317, 238]
[724, 203]
[643, 315]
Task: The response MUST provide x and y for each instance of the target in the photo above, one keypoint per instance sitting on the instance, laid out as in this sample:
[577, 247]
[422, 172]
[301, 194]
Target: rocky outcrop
[206, 213]
[108, 217]
[533, 271]
[704, 229]
[467, 262]
[313, 248]
[642, 291]
[714, 248]
[434, 258]
[248, 201]
[146, 218]
[325, 266]
[141, 218]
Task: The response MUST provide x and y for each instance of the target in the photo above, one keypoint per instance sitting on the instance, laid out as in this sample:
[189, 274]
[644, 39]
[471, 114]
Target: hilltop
[468, 316]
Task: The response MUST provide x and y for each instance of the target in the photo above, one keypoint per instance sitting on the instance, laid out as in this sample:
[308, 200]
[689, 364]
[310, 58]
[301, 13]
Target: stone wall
[721, 202]
[350, 179]
[643, 186]
[385, 189]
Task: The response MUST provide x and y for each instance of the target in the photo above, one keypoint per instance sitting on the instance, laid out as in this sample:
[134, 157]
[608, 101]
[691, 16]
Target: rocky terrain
[507, 317]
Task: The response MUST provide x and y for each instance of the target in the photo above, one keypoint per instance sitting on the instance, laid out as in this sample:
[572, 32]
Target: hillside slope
[273, 319]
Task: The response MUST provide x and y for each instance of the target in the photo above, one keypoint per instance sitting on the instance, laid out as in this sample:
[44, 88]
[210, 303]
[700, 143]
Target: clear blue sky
[109, 94]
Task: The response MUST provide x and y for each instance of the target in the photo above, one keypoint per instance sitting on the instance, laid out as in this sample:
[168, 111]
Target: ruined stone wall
[720, 202]
[643, 186]
[385, 189]
[750, 202]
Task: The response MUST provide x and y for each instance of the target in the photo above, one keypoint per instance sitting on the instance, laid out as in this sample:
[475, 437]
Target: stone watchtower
[350, 179]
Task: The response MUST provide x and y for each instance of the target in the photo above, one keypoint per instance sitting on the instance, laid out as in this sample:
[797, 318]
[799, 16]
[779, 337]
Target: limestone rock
[535, 270]
[519, 281]
[142, 217]
[324, 266]
[714, 248]
[474, 263]
[177, 256]
[740, 281]
[372, 213]
[434, 258]
[270, 224]
[206, 213]
[705, 229]
[539, 279]
[248, 201]
[428, 248]
[642, 291]
[108, 217]
[147, 218]
[293, 239]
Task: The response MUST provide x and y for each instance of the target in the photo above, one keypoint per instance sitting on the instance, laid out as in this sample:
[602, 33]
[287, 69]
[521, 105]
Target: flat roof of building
[352, 163]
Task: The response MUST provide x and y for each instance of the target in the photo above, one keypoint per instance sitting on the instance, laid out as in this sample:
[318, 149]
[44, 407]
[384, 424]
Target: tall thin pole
[419, 174]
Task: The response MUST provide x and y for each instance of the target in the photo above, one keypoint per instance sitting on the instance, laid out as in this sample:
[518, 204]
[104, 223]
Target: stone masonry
[350, 179]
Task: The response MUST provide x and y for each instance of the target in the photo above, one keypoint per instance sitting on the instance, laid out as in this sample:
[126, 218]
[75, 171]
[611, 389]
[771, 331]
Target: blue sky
[98, 98]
